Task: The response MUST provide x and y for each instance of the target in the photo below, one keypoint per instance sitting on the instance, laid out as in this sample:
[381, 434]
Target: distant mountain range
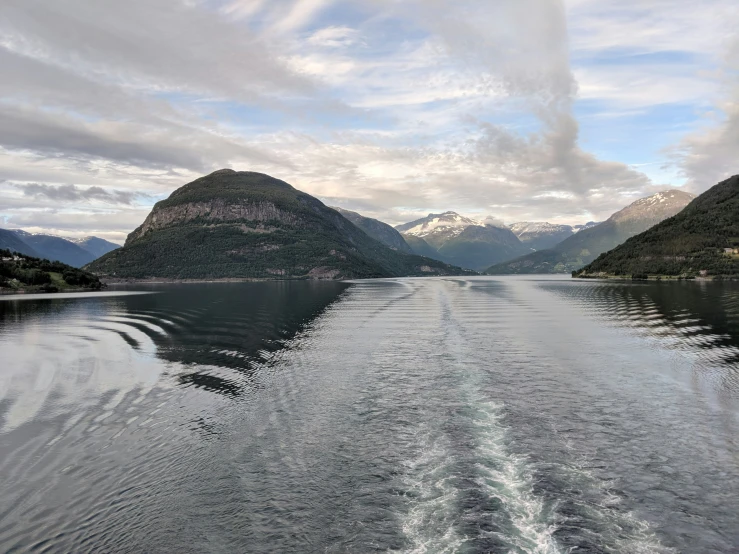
[249, 225]
[586, 245]
[701, 240]
[540, 235]
[462, 241]
[73, 252]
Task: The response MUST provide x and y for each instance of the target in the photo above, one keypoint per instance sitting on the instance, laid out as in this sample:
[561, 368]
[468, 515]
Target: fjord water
[526, 415]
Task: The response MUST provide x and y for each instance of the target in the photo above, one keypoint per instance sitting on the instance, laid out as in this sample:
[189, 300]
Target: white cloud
[392, 108]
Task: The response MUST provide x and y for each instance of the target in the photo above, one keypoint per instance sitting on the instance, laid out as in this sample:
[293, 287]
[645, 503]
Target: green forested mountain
[703, 239]
[19, 272]
[249, 225]
[378, 230]
[583, 247]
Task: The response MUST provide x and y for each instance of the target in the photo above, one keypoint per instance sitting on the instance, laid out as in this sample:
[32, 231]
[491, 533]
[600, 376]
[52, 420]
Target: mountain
[12, 242]
[249, 225]
[436, 229]
[701, 240]
[584, 246]
[541, 235]
[378, 230]
[462, 241]
[421, 247]
[56, 248]
[22, 273]
[95, 245]
[478, 246]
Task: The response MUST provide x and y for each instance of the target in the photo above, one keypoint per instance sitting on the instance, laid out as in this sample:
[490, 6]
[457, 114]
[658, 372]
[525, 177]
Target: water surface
[413, 415]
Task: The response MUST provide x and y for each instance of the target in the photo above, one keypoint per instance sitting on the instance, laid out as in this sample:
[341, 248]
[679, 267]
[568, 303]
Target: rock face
[701, 240]
[378, 230]
[539, 235]
[586, 245]
[462, 241]
[249, 225]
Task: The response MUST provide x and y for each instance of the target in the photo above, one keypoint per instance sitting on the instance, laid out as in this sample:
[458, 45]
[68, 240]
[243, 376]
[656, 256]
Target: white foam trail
[509, 479]
[430, 521]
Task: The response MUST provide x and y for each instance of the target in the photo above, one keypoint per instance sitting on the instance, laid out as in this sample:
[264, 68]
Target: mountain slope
[541, 235]
[378, 230]
[692, 243]
[477, 247]
[95, 246]
[9, 240]
[57, 248]
[462, 241]
[421, 247]
[583, 247]
[249, 225]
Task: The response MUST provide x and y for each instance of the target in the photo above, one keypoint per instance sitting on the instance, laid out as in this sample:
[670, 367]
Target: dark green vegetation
[249, 225]
[19, 272]
[692, 243]
[583, 247]
[378, 231]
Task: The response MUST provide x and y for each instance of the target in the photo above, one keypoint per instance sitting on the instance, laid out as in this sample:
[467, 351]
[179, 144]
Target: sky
[524, 110]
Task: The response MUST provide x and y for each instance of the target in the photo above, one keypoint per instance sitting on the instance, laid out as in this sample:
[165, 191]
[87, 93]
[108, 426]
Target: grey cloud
[168, 44]
[163, 147]
[73, 193]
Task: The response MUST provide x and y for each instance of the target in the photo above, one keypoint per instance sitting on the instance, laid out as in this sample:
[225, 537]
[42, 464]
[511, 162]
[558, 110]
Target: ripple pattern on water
[412, 415]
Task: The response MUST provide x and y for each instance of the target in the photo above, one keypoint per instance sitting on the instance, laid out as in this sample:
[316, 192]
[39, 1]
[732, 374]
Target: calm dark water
[419, 415]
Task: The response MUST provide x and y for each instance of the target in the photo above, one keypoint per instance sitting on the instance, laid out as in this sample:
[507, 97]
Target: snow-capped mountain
[447, 224]
[461, 240]
[539, 235]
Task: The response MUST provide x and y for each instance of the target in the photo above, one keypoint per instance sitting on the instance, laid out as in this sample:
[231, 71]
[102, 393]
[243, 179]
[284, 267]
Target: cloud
[395, 109]
[73, 193]
[709, 154]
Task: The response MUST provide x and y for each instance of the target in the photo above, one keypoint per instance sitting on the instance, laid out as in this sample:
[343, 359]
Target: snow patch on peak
[537, 227]
[448, 222]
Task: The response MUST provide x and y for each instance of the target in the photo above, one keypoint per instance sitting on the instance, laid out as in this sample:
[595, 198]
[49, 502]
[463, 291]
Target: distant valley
[70, 251]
